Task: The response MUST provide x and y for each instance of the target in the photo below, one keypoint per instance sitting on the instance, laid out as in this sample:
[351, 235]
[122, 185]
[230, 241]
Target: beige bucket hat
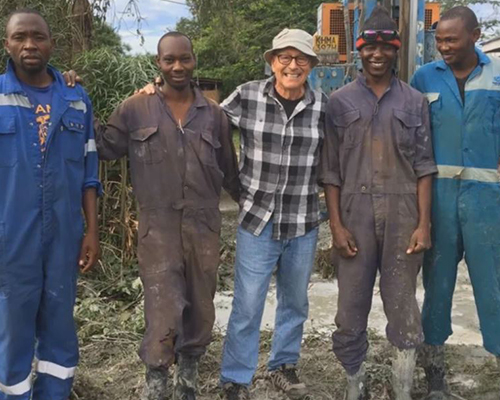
[296, 38]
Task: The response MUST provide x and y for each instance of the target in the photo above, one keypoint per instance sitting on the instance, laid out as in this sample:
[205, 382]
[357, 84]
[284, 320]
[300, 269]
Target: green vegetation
[230, 36]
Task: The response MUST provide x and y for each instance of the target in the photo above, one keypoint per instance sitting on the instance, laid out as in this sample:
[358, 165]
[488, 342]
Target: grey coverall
[177, 173]
[375, 150]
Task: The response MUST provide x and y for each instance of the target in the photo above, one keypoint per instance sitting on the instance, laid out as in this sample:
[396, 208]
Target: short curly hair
[26, 11]
[465, 14]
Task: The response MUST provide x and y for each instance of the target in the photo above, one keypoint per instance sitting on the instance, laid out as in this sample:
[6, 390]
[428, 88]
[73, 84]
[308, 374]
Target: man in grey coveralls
[181, 155]
[377, 166]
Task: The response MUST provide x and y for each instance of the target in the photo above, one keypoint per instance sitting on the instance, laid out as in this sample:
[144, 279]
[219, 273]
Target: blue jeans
[256, 258]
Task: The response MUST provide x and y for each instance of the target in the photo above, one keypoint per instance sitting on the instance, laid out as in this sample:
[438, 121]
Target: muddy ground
[110, 327]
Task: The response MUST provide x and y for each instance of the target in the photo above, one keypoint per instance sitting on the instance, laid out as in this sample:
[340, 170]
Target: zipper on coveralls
[180, 127]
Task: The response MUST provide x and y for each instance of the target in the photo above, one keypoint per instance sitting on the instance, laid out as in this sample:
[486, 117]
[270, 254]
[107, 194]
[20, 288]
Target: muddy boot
[186, 377]
[403, 367]
[434, 367]
[235, 391]
[356, 385]
[155, 387]
[285, 378]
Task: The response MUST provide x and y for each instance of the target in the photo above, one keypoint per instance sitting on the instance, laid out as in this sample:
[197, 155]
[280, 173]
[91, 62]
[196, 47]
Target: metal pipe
[347, 26]
[420, 46]
[412, 37]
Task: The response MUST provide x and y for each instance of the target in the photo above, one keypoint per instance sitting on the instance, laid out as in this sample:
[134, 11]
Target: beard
[32, 68]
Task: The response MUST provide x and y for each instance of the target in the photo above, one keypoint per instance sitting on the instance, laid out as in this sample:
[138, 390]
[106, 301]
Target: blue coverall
[41, 230]
[466, 196]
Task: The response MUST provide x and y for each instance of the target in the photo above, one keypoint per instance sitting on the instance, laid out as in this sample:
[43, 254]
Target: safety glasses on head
[372, 35]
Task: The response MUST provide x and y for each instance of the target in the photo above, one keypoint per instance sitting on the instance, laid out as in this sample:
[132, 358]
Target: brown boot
[235, 391]
[155, 387]
[285, 378]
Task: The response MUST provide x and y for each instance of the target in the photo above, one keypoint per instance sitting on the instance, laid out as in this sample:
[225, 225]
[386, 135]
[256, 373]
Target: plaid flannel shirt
[279, 158]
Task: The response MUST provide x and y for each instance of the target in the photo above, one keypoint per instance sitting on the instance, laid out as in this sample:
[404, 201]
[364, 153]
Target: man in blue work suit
[48, 173]
[464, 99]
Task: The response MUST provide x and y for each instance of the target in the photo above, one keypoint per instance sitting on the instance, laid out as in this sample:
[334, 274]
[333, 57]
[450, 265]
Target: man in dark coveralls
[181, 154]
[377, 166]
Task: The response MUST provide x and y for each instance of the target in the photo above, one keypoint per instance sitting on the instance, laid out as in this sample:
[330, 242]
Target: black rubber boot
[155, 387]
[435, 373]
[186, 377]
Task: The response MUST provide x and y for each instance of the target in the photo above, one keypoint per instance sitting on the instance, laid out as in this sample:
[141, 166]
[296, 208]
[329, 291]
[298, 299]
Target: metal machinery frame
[343, 19]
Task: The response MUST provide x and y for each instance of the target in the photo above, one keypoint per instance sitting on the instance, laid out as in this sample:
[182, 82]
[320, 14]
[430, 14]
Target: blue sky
[160, 16]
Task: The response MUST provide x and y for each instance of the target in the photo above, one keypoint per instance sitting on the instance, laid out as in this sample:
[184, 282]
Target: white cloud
[157, 17]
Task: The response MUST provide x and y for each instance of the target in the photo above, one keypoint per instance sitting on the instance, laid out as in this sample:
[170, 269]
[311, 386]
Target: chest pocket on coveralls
[73, 136]
[208, 146]
[8, 148]
[146, 146]
[407, 130]
[345, 124]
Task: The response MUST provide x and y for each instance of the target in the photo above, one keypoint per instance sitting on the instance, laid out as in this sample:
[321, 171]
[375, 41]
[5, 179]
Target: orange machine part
[432, 12]
[332, 15]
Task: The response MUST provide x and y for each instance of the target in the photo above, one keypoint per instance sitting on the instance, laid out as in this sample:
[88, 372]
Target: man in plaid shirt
[281, 126]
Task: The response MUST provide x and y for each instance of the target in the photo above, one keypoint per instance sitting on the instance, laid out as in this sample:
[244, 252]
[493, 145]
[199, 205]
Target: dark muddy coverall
[375, 150]
[177, 174]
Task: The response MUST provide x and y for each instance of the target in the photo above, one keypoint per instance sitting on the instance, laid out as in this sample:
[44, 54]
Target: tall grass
[110, 78]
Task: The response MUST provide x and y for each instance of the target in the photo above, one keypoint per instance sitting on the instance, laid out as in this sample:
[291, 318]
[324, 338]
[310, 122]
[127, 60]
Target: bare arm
[90, 250]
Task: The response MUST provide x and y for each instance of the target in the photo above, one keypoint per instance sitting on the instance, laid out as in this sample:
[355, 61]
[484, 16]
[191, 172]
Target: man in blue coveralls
[464, 100]
[48, 173]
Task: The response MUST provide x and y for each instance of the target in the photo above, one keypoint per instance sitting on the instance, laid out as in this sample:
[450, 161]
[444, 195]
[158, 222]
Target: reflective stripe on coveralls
[466, 196]
[90, 146]
[473, 174]
[47, 367]
[15, 100]
[19, 389]
[19, 100]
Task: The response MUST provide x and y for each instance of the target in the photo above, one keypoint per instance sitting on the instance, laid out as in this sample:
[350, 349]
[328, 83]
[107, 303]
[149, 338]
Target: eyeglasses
[286, 59]
[371, 36]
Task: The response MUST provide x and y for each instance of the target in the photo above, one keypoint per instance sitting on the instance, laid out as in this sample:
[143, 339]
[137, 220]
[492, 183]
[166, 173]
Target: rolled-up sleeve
[329, 170]
[232, 107]
[424, 163]
[112, 138]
